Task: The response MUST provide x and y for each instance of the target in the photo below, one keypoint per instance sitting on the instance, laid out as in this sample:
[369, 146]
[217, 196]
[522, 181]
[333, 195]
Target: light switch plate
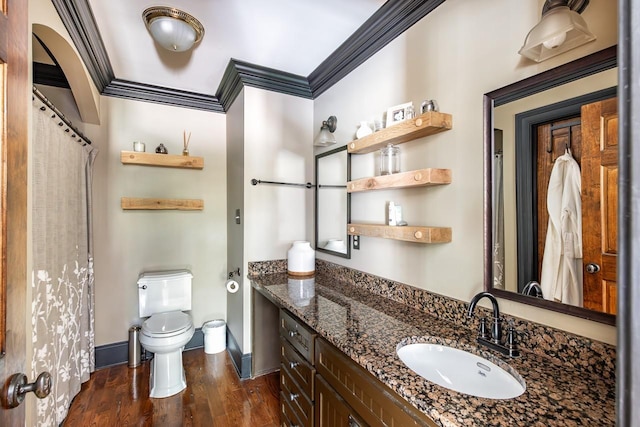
[356, 242]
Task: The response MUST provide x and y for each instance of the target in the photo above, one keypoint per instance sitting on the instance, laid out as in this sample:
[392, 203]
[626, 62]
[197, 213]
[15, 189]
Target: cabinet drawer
[373, 401]
[298, 368]
[287, 417]
[332, 410]
[299, 402]
[300, 337]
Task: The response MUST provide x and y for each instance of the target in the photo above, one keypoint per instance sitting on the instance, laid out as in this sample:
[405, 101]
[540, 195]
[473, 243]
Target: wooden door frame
[14, 177]
[628, 372]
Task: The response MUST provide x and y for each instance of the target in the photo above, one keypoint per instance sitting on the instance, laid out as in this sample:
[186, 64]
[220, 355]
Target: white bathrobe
[562, 261]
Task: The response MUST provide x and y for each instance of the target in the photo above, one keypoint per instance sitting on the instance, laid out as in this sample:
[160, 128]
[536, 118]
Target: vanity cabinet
[347, 395]
[297, 372]
[424, 125]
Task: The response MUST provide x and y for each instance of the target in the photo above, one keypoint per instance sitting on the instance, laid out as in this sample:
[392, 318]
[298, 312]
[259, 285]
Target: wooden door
[553, 139]
[15, 97]
[600, 204]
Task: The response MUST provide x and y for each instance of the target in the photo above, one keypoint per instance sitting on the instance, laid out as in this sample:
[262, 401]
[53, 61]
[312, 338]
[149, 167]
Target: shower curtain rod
[61, 116]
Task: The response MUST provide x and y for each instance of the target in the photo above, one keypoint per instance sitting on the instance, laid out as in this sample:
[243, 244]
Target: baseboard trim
[242, 362]
[118, 353]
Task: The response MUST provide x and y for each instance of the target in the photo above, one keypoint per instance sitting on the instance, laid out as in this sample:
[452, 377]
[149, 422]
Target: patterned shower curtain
[498, 223]
[62, 276]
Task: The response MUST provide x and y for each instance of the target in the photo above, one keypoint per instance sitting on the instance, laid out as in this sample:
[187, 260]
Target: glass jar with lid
[389, 160]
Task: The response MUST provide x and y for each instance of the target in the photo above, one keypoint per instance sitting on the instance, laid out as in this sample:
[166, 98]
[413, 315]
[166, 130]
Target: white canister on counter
[301, 259]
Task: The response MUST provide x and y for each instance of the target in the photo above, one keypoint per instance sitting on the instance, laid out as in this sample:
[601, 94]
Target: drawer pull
[293, 396]
[293, 365]
[352, 422]
[293, 333]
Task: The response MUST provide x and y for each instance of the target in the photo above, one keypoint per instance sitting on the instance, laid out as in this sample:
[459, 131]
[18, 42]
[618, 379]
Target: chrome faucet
[508, 348]
[533, 289]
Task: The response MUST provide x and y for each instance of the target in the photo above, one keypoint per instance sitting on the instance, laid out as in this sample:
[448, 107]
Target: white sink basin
[461, 371]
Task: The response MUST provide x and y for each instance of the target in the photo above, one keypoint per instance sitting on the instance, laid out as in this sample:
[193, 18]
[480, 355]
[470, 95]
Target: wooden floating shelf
[407, 233]
[163, 160]
[425, 124]
[417, 178]
[136, 203]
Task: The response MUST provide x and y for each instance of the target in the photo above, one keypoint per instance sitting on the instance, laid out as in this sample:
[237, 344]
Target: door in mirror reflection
[574, 192]
[600, 204]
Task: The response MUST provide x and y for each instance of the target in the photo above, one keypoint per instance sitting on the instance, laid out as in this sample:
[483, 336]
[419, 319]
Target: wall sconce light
[560, 29]
[326, 136]
[172, 28]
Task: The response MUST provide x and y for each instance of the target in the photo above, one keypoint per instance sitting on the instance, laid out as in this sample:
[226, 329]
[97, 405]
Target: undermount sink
[460, 371]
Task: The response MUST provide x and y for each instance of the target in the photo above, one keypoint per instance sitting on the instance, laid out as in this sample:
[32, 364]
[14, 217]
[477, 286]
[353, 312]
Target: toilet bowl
[162, 296]
[165, 335]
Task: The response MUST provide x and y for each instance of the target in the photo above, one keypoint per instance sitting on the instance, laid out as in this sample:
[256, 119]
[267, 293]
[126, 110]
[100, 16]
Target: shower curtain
[498, 223]
[62, 275]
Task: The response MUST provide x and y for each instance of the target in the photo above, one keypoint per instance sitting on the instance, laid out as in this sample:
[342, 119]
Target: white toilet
[164, 295]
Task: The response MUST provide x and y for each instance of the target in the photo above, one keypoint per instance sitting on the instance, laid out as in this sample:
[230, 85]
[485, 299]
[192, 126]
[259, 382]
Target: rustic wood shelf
[162, 160]
[416, 234]
[425, 124]
[137, 203]
[417, 178]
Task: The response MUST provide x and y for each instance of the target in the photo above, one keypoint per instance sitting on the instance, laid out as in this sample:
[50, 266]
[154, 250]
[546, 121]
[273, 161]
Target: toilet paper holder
[236, 272]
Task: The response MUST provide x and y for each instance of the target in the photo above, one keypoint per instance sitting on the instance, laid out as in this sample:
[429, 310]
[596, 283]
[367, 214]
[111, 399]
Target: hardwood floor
[215, 396]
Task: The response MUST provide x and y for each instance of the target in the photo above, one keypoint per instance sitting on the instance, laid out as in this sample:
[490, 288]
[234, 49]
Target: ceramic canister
[301, 259]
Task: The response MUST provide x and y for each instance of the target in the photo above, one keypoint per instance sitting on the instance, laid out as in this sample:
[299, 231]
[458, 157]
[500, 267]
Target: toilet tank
[161, 291]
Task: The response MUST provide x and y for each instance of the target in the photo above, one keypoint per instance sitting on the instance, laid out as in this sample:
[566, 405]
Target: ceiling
[293, 36]
[299, 47]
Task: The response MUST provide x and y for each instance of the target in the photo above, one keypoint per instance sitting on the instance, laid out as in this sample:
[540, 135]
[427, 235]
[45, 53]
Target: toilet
[163, 296]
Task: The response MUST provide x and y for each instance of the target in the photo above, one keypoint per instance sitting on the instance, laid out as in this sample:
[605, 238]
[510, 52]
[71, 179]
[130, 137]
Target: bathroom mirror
[527, 126]
[332, 202]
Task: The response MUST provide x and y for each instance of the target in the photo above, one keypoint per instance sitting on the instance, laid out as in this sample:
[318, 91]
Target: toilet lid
[166, 324]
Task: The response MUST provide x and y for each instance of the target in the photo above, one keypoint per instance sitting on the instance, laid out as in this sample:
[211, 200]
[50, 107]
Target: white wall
[278, 147]
[460, 51]
[235, 200]
[130, 242]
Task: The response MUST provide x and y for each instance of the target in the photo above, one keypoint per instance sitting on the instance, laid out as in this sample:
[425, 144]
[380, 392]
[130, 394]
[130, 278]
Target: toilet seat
[165, 325]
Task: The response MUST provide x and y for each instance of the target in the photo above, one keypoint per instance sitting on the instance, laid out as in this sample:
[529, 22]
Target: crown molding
[239, 74]
[49, 75]
[392, 19]
[78, 19]
[161, 95]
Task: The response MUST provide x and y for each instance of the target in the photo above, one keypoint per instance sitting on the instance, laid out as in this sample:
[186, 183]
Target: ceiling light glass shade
[172, 28]
[326, 137]
[560, 30]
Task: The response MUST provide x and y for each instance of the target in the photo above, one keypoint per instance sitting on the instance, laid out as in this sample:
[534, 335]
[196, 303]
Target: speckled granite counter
[368, 327]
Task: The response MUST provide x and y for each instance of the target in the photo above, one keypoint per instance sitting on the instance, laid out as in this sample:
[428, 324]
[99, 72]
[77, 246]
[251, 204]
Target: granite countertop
[368, 327]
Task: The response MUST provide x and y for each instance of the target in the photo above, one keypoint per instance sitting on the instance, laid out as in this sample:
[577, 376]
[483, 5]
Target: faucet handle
[482, 332]
[511, 344]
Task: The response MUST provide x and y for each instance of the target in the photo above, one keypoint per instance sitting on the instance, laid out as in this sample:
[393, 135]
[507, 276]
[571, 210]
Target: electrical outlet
[356, 242]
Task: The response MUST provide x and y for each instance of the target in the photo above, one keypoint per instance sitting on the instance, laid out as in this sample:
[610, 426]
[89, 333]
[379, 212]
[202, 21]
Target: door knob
[592, 268]
[18, 387]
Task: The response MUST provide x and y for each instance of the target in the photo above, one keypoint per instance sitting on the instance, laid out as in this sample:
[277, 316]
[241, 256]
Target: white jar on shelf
[363, 130]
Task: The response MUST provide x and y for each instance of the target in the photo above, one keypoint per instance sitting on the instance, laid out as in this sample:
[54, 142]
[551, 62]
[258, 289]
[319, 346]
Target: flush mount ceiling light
[326, 136]
[560, 29]
[172, 28]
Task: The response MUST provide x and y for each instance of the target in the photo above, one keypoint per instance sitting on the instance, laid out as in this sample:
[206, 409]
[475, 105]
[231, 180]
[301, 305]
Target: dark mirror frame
[348, 196]
[597, 62]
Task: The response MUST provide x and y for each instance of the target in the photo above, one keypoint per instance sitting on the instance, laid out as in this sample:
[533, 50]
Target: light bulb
[556, 41]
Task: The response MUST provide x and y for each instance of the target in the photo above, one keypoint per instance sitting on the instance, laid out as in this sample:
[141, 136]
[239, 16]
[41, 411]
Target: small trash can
[135, 350]
[215, 336]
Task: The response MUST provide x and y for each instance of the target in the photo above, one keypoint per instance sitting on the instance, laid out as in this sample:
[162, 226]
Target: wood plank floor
[215, 396]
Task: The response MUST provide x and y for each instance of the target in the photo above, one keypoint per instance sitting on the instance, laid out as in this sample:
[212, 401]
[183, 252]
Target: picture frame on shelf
[398, 113]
